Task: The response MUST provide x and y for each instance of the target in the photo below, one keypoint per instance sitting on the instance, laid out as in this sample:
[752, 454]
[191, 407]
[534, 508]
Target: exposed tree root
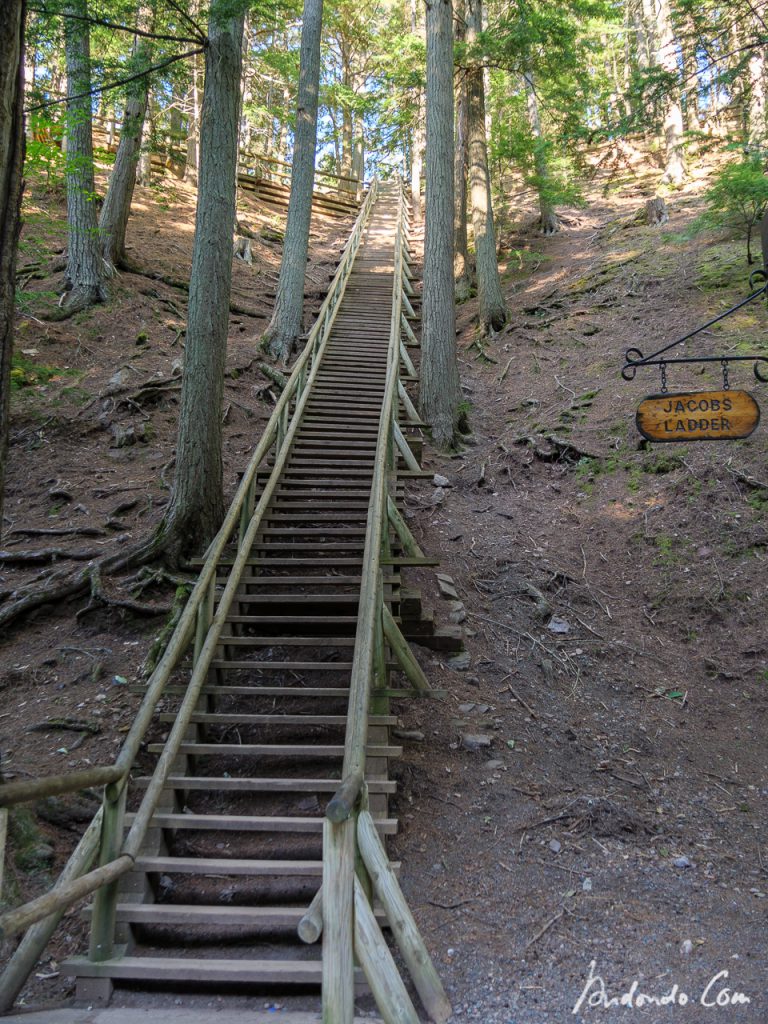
[277, 378]
[175, 282]
[100, 597]
[45, 555]
[60, 531]
[65, 583]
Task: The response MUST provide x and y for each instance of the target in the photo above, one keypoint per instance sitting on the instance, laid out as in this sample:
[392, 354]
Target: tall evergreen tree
[285, 326]
[11, 186]
[113, 221]
[439, 389]
[84, 273]
[492, 309]
[197, 501]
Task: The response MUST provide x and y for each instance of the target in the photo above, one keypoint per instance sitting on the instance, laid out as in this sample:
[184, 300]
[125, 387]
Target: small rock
[458, 612]
[586, 885]
[558, 625]
[460, 662]
[494, 765]
[447, 589]
[117, 381]
[473, 681]
[686, 948]
[475, 740]
[441, 481]
[408, 734]
[438, 497]
[122, 437]
[555, 845]
[466, 708]
[682, 862]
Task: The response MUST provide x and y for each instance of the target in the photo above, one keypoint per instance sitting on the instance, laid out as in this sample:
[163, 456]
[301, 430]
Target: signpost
[698, 416]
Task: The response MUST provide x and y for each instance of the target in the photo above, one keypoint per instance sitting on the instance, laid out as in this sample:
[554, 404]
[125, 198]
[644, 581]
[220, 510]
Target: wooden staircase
[233, 857]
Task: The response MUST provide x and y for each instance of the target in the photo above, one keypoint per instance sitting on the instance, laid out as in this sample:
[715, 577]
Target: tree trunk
[666, 58]
[285, 326]
[440, 392]
[117, 202]
[417, 157]
[549, 222]
[193, 113]
[492, 310]
[84, 273]
[197, 502]
[756, 111]
[11, 187]
[463, 271]
[418, 130]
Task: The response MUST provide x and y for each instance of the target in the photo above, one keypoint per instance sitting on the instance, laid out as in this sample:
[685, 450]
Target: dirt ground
[586, 809]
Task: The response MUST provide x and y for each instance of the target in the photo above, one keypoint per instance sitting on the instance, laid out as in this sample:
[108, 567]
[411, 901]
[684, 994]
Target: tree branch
[200, 40]
[121, 81]
[189, 20]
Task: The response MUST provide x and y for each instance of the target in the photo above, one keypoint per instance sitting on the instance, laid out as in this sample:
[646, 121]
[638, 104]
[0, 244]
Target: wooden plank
[263, 972]
[230, 866]
[263, 785]
[272, 750]
[219, 718]
[218, 915]
[249, 823]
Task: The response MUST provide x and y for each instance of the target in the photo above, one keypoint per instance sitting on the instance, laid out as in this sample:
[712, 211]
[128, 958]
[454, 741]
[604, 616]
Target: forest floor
[590, 798]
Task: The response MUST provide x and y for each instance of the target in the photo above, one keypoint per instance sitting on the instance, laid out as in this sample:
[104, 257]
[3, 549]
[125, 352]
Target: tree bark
[756, 109]
[492, 310]
[197, 502]
[463, 269]
[285, 326]
[439, 388]
[666, 57]
[11, 188]
[549, 221]
[84, 273]
[117, 202]
[418, 140]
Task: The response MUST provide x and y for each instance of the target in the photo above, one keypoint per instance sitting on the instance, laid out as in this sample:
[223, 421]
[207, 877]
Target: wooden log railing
[103, 840]
[172, 153]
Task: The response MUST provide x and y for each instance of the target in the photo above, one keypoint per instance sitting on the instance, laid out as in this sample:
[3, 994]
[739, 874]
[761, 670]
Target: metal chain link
[726, 381]
[663, 368]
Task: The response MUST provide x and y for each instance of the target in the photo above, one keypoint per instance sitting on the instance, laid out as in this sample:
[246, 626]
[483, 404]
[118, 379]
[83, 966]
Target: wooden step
[252, 972]
[257, 785]
[169, 915]
[288, 641]
[250, 823]
[234, 866]
[288, 692]
[272, 750]
[294, 620]
[230, 866]
[237, 718]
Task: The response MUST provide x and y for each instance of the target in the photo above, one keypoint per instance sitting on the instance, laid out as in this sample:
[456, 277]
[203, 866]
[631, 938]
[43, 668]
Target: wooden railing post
[102, 942]
[246, 511]
[338, 922]
[204, 618]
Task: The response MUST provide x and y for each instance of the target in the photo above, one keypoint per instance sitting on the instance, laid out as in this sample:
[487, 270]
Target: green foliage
[26, 374]
[740, 193]
[45, 161]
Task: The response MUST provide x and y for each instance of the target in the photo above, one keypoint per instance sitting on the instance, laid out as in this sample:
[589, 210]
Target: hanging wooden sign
[698, 416]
